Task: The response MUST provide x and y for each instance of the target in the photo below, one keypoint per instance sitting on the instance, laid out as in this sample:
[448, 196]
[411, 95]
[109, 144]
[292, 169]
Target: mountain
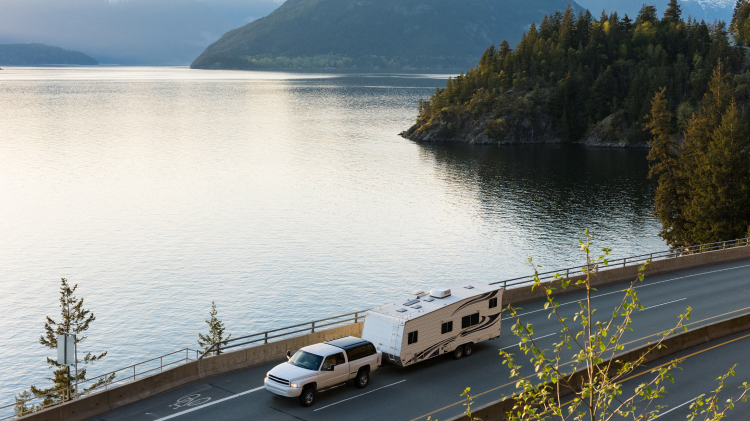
[135, 32]
[40, 54]
[708, 10]
[369, 33]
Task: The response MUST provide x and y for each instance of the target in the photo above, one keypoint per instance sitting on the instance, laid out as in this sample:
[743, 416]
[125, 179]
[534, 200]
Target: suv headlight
[295, 385]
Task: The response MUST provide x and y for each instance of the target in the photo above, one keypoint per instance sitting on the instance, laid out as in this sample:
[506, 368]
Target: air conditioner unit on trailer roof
[440, 292]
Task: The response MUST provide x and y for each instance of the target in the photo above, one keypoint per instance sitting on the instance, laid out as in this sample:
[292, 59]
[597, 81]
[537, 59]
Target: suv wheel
[363, 379]
[307, 398]
[468, 349]
[458, 352]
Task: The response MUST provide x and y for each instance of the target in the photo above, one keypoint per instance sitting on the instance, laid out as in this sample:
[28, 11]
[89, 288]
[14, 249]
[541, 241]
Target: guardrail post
[186, 356]
[161, 364]
[356, 317]
[105, 381]
[624, 261]
[133, 373]
[313, 327]
[265, 339]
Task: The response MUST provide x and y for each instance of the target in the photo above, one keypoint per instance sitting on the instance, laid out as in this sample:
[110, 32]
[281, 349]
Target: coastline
[485, 140]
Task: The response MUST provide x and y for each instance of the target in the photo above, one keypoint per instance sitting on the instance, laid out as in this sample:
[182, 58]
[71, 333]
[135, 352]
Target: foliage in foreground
[74, 320]
[600, 394]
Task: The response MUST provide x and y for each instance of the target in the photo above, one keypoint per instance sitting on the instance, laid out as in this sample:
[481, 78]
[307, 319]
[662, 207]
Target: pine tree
[669, 200]
[673, 12]
[740, 24]
[720, 205]
[74, 320]
[215, 333]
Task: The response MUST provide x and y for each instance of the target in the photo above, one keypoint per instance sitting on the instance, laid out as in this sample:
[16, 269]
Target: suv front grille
[278, 380]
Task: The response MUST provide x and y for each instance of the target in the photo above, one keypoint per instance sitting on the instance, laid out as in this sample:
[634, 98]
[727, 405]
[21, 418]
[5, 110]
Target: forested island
[384, 34]
[577, 78]
[40, 55]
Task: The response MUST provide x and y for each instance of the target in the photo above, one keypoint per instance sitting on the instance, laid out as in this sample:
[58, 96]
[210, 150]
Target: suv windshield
[306, 360]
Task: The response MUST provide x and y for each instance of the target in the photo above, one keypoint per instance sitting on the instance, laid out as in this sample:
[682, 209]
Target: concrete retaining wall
[629, 273]
[146, 387]
[117, 397]
[496, 411]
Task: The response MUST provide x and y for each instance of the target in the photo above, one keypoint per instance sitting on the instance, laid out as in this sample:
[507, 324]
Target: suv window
[333, 360]
[364, 350]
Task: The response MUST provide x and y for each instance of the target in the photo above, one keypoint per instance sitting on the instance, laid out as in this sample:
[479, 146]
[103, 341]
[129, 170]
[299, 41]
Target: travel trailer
[450, 319]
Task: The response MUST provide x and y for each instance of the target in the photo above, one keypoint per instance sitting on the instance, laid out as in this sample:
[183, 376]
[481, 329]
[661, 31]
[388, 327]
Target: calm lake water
[285, 197]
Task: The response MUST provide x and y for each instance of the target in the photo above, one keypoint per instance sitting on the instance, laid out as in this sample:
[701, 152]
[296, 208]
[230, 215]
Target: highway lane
[701, 367]
[432, 388]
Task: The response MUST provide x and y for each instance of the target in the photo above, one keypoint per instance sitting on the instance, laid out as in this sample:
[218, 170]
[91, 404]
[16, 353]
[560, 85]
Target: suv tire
[468, 349]
[458, 352]
[362, 379]
[307, 397]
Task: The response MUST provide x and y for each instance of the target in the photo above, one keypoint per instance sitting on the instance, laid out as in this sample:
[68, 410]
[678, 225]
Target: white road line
[545, 336]
[676, 407]
[353, 397]
[210, 403]
[639, 286]
[659, 305]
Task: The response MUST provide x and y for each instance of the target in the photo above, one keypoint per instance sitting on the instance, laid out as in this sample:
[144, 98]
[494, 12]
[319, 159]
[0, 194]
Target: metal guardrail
[309, 327]
[124, 374]
[99, 383]
[623, 262]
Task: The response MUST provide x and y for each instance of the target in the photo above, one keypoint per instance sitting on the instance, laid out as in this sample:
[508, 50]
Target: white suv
[320, 367]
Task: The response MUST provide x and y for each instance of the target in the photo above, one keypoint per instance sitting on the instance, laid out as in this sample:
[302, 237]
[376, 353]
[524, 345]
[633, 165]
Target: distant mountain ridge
[437, 34]
[40, 55]
[129, 32]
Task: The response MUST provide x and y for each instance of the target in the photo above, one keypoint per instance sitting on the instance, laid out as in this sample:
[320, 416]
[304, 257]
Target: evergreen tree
[720, 205]
[740, 26]
[74, 320]
[215, 333]
[669, 200]
[673, 12]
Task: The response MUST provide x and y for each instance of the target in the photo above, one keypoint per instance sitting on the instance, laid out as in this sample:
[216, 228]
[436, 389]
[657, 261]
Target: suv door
[335, 370]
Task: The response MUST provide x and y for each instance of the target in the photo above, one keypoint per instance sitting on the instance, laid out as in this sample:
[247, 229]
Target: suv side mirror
[288, 354]
[326, 367]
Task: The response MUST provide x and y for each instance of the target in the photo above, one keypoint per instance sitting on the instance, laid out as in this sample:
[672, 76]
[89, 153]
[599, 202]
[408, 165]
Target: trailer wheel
[363, 379]
[468, 349]
[458, 352]
[307, 398]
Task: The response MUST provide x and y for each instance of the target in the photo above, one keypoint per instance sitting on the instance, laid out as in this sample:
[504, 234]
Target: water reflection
[537, 198]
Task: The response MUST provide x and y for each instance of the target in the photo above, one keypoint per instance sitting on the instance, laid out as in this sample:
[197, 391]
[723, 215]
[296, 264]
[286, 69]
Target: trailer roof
[459, 292]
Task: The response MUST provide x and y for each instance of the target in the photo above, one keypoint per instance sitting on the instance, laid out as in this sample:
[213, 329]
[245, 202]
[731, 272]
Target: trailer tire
[468, 349]
[307, 397]
[362, 379]
[458, 352]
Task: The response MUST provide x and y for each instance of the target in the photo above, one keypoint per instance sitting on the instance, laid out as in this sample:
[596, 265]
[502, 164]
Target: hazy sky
[128, 31]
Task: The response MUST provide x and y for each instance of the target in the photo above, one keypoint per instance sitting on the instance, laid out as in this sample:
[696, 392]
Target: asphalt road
[433, 388]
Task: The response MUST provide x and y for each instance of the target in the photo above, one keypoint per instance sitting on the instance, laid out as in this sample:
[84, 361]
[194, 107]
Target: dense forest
[576, 78]
[392, 34]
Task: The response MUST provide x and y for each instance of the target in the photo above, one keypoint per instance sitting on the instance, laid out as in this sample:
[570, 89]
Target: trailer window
[493, 302]
[470, 320]
[413, 337]
[447, 327]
